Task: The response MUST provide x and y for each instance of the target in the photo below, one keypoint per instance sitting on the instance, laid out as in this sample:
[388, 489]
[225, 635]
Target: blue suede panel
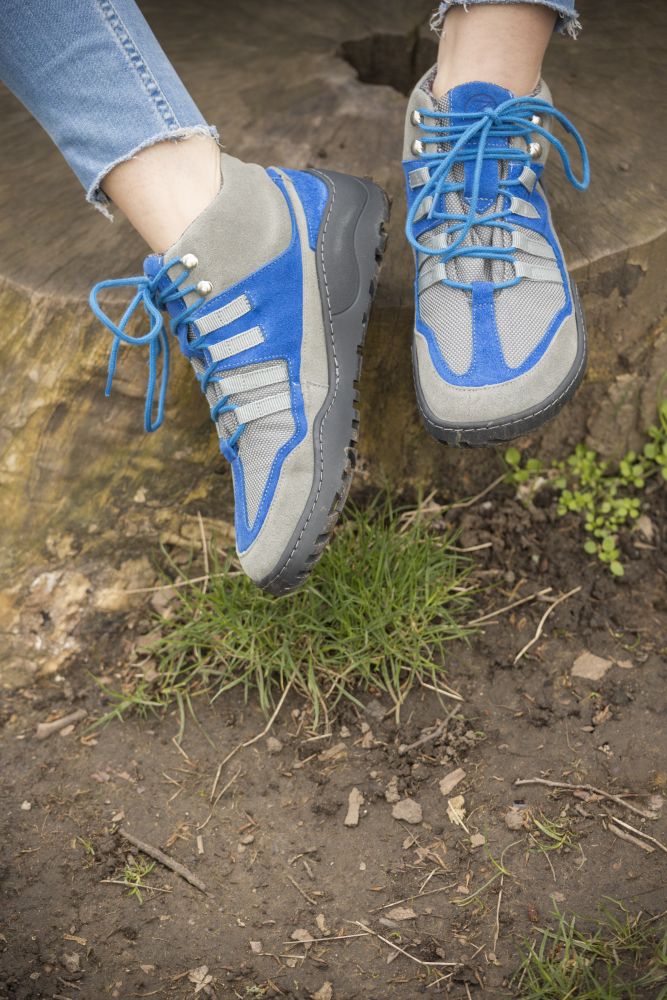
[275, 293]
[313, 195]
[478, 97]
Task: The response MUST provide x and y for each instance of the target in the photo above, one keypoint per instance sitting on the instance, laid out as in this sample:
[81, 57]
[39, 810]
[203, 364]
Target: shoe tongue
[470, 99]
[476, 98]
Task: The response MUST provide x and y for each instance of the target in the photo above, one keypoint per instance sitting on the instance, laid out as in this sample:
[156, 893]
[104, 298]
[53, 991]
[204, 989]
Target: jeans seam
[137, 62]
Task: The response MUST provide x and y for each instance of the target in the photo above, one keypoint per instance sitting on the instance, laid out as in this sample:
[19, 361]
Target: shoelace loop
[153, 299]
[515, 117]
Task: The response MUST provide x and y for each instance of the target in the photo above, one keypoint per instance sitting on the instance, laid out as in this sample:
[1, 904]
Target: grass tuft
[623, 958]
[380, 607]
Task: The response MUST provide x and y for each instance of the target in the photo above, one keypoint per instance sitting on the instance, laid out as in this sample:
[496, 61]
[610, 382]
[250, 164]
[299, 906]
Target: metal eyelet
[416, 117]
[189, 261]
[535, 150]
[204, 287]
[417, 147]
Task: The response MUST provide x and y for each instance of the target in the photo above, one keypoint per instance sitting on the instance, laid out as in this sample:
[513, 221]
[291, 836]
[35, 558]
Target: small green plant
[134, 874]
[606, 499]
[623, 958]
[87, 845]
[552, 834]
[377, 613]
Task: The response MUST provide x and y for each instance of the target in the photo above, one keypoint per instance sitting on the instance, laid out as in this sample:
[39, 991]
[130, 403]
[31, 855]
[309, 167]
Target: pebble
[408, 810]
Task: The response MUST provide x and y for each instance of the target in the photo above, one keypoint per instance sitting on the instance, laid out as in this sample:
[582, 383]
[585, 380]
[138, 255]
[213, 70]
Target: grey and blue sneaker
[269, 293]
[499, 341]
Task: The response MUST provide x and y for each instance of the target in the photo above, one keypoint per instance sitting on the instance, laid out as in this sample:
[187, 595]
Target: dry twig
[45, 729]
[255, 739]
[538, 633]
[164, 859]
[591, 789]
[430, 735]
[508, 607]
[402, 951]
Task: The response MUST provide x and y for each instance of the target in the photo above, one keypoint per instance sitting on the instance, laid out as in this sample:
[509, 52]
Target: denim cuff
[568, 19]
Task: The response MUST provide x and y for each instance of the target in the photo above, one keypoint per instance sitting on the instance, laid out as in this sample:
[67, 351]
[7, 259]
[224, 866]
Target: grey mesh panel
[447, 311]
[261, 439]
[523, 316]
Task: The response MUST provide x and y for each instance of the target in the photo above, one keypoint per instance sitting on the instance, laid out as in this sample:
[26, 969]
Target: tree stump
[300, 84]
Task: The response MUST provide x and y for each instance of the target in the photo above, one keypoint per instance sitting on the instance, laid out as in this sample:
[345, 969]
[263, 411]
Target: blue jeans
[94, 76]
[568, 19]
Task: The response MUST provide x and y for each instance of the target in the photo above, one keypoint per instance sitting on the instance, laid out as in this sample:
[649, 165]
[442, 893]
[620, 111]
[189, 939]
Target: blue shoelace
[155, 299]
[513, 118]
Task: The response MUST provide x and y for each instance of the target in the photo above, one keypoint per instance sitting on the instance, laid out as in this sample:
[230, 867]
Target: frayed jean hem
[568, 19]
[96, 196]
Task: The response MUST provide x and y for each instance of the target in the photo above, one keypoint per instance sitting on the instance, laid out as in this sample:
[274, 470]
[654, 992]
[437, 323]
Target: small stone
[516, 818]
[402, 913]
[391, 792]
[273, 745]
[248, 838]
[354, 803]
[590, 667]
[325, 992]
[256, 947]
[451, 780]
[477, 840]
[645, 526]
[407, 810]
[26, 806]
[362, 866]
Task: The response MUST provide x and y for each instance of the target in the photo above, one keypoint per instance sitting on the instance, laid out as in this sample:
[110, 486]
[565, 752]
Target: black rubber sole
[350, 250]
[472, 435]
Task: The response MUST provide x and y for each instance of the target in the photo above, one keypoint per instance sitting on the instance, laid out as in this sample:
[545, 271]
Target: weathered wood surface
[74, 465]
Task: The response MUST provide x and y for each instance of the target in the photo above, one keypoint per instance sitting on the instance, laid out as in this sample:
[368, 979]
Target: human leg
[267, 276]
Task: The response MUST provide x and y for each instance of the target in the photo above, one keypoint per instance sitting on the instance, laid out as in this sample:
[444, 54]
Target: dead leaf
[321, 922]
[408, 810]
[200, 978]
[354, 803]
[335, 752]
[590, 667]
[402, 913]
[451, 780]
[477, 840]
[71, 961]
[456, 811]
[302, 935]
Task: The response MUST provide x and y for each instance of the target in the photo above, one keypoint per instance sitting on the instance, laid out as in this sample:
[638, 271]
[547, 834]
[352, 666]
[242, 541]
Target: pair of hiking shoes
[269, 291]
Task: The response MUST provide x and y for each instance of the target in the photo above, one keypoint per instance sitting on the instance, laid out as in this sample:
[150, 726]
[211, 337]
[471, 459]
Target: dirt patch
[279, 864]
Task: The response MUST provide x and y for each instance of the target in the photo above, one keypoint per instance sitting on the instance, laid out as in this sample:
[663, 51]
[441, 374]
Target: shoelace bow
[155, 299]
[511, 119]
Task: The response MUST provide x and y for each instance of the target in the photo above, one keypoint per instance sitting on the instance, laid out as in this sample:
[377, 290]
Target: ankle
[165, 187]
[495, 43]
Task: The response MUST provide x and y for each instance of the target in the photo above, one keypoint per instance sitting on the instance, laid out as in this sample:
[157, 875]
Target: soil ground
[275, 854]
